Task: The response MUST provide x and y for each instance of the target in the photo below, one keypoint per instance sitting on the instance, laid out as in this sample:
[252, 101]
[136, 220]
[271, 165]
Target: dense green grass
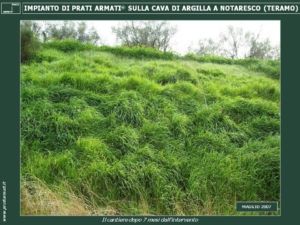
[155, 134]
[269, 67]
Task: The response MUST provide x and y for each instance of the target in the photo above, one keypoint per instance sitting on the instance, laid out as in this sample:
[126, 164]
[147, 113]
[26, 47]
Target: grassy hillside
[137, 131]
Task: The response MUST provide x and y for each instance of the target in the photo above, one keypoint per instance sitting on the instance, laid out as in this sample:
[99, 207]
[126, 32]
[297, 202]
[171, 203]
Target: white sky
[190, 32]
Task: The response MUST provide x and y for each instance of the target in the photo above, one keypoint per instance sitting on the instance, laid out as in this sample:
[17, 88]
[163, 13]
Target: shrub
[269, 67]
[48, 55]
[138, 52]
[68, 45]
[29, 42]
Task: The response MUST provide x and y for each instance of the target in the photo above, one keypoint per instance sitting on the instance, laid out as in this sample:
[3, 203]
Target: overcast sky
[190, 32]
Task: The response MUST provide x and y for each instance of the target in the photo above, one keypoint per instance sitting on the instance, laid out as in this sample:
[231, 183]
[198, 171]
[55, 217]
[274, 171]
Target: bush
[29, 42]
[269, 67]
[68, 45]
[48, 55]
[138, 52]
[209, 58]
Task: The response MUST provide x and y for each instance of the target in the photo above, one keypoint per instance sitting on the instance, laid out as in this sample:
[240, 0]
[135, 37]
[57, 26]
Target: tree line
[154, 34]
[235, 42]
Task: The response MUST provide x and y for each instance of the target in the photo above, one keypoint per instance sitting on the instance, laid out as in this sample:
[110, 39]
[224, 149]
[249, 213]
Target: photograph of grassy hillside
[141, 129]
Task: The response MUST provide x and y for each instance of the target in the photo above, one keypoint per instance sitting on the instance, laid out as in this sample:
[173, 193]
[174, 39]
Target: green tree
[71, 30]
[147, 33]
[233, 40]
[61, 31]
[262, 49]
[208, 47]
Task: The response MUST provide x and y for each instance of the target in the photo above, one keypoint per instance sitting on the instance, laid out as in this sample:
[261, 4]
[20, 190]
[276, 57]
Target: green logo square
[10, 8]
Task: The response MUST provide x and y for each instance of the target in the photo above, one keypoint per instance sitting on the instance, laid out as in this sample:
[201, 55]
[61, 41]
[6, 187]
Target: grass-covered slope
[137, 131]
